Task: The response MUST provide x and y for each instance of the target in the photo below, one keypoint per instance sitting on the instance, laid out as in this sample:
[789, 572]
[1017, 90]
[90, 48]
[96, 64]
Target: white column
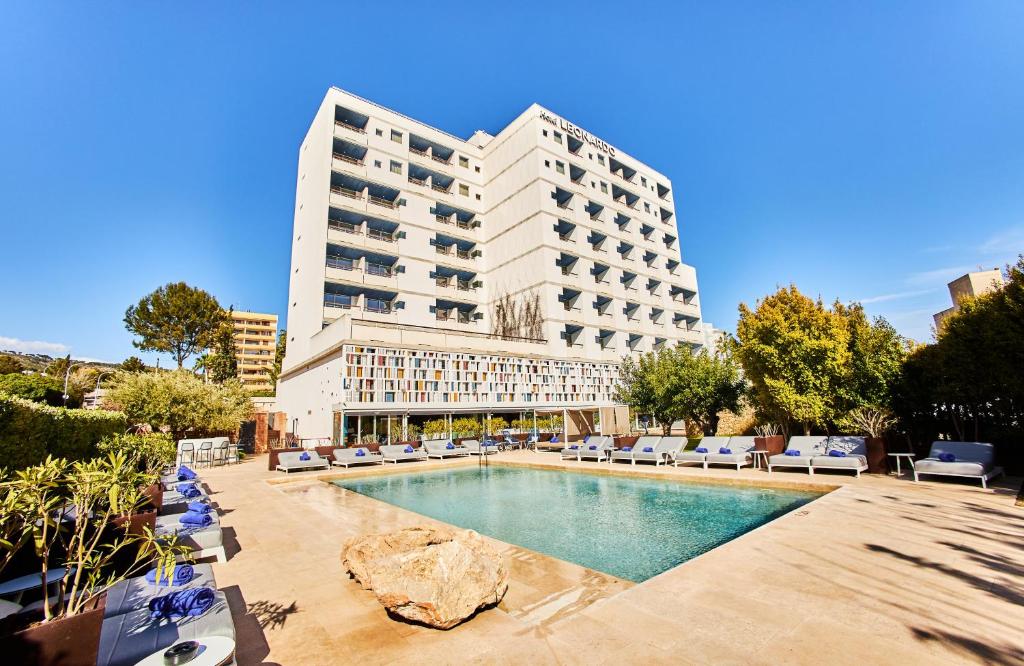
[405, 427]
[565, 424]
[389, 429]
[451, 435]
[359, 430]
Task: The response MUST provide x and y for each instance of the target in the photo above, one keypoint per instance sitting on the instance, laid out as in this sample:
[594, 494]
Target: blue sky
[869, 151]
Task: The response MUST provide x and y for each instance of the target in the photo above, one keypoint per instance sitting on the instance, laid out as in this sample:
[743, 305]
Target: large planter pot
[155, 494]
[878, 458]
[133, 523]
[71, 641]
[774, 445]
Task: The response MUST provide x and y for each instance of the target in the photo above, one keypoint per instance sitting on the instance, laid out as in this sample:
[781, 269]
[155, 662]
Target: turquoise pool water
[631, 528]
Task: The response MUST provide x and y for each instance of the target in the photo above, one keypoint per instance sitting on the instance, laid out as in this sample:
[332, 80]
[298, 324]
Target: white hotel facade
[408, 240]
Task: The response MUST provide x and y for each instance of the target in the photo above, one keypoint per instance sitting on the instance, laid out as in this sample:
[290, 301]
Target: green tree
[58, 367]
[796, 355]
[877, 354]
[10, 365]
[702, 386]
[180, 402]
[222, 363]
[175, 319]
[645, 385]
[282, 343]
[133, 364]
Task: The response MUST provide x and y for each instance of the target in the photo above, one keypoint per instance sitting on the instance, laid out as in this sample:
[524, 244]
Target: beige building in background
[255, 343]
[969, 286]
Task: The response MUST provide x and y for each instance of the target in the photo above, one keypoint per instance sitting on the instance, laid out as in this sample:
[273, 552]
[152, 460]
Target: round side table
[213, 651]
[760, 458]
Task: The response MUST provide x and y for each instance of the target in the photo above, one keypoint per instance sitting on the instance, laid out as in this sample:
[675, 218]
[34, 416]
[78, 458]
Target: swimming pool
[632, 528]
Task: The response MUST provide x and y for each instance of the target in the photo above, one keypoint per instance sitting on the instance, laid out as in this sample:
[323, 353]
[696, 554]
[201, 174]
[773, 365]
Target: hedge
[30, 431]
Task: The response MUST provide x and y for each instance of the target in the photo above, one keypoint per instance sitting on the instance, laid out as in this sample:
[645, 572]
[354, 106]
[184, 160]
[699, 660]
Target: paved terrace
[879, 571]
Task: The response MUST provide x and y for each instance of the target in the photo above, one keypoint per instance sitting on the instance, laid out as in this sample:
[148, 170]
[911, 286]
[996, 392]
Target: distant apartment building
[969, 286]
[255, 343]
[436, 276]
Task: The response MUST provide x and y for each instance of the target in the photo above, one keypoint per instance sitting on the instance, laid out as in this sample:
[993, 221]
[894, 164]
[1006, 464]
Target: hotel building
[255, 336]
[438, 276]
[968, 286]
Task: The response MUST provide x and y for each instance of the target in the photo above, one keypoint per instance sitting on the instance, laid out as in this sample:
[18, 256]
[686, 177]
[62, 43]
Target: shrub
[498, 423]
[37, 388]
[435, 429]
[465, 427]
[150, 451]
[29, 431]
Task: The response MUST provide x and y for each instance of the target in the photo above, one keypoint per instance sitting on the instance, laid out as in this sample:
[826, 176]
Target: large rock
[436, 576]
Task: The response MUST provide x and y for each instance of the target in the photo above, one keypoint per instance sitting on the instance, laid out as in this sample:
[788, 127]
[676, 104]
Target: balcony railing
[382, 202]
[463, 254]
[422, 182]
[338, 301]
[380, 309]
[417, 151]
[345, 192]
[443, 249]
[360, 130]
[348, 158]
[440, 188]
[340, 263]
[442, 160]
[377, 234]
[379, 270]
[343, 226]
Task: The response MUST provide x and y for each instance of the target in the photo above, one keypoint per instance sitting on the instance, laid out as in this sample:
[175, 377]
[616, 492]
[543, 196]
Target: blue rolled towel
[183, 573]
[947, 457]
[648, 449]
[586, 438]
[183, 487]
[554, 439]
[449, 446]
[725, 450]
[408, 449]
[574, 447]
[836, 453]
[627, 448]
[592, 447]
[193, 601]
[186, 474]
[360, 453]
[791, 452]
[192, 492]
[199, 507]
[701, 449]
[304, 456]
[194, 519]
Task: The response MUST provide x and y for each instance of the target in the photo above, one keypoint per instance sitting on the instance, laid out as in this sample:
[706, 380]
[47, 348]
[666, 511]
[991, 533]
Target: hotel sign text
[572, 130]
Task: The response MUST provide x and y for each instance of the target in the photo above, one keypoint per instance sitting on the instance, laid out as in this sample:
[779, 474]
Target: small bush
[37, 388]
[30, 431]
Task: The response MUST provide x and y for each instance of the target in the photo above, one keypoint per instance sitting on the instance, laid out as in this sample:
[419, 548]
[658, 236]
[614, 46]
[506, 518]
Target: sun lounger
[134, 593]
[640, 445]
[712, 444]
[204, 541]
[475, 448]
[740, 455]
[655, 455]
[350, 456]
[289, 461]
[438, 448]
[806, 447]
[397, 452]
[130, 637]
[596, 448]
[973, 460]
[855, 460]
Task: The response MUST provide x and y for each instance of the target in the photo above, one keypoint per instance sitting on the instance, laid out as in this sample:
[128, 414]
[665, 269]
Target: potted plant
[68, 511]
[874, 422]
[152, 453]
[769, 438]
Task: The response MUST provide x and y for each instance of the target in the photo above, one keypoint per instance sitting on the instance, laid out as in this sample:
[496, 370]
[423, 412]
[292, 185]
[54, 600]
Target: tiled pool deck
[879, 571]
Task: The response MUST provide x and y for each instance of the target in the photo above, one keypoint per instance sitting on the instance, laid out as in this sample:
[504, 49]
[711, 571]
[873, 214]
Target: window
[478, 197]
[544, 132]
[647, 207]
[604, 187]
[396, 167]
[643, 181]
[396, 136]
[463, 161]
[464, 189]
[600, 159]
[559, 167]
[477, 169]
[547, 163]
[558, 137]
[380, 132]
[376, 163]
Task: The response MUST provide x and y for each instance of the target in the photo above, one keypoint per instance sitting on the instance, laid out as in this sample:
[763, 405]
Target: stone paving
[880, 570]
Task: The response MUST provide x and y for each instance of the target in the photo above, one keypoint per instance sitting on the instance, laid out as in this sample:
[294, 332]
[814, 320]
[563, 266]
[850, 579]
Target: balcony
[573, 144]
[450, 246]
[686, 322]
[350, 120]
[627, 280]
[656, 314]
[669, 241]
[621, 170]
[568, 298]
[681, 294]
[463, 219]
[565, 229]
[593, 209]
[652, 286]
[650, 257]
[600, 273]
[435, 180]
[349, 152]
[659, 344]
[359, 188]
[426, 148]
[631, 311]
[662, 191]
[359, 224]
[453, 278]
[605, 338]
[603, 305]
[622, 195]
[596, 240]
[566, 262]
[634, 340]
[646, 230]
[624, 249]
[351, 297]
[576, 173]
[672, 265]
[666, 214]
[455, 311]
[571, 335]
[346, 258]
[562, 198]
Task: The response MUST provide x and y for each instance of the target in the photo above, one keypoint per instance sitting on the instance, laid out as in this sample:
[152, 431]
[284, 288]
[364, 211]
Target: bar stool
[186, 448]
[205, 454]
[220, 453]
